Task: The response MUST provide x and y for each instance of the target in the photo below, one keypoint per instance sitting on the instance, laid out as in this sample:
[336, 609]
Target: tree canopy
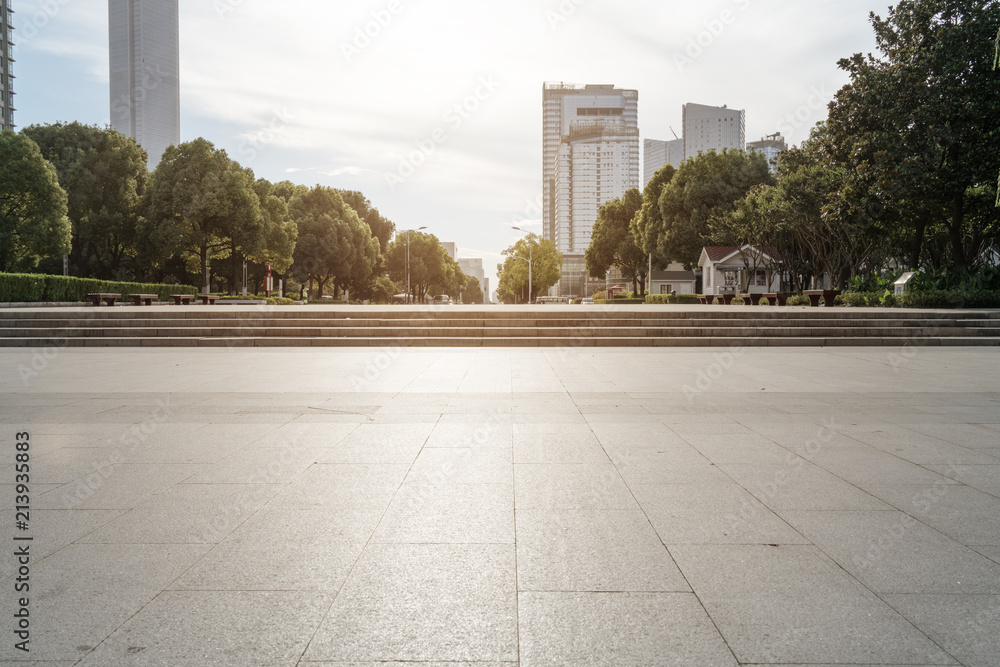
[926, 159]
[33, 207]
[546, 269]
[613, 244]
[202, 202]
[704, 187]
[430, 265]
[648, 222]
[104, 175]
[334, 245]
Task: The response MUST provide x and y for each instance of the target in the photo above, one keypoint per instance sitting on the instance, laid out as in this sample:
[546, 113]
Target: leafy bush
[861, 299]
[797, 300]
[21, 287]
[950, 299]
[620, 302]
[30, 288]
[686, 299]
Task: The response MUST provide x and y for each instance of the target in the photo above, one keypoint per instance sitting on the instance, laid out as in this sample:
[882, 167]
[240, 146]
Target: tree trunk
[959, 260]
[237, 281]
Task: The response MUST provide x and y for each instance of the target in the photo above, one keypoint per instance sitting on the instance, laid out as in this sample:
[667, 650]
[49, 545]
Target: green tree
[613, 244]
[546, 269]
[927, 156]
[429, 264]
[473, 292]
[280, 236]
[33, 207]
[201, 201]
[334, 245]
[104, 175]
[704, 187]
[382, 228]
[648, 222]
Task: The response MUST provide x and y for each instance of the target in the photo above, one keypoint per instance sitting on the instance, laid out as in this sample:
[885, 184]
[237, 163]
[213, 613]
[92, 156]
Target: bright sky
[435, 113]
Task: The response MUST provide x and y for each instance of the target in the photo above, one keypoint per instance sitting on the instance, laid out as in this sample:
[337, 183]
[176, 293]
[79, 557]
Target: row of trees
[85, 192]
[900, 174]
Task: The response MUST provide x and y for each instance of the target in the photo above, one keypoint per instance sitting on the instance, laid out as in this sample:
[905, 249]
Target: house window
[761, 278]
[730, 279]
[664, 289]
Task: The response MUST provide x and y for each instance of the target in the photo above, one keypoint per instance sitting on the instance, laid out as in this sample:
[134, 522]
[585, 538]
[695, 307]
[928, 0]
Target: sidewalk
[505, 507]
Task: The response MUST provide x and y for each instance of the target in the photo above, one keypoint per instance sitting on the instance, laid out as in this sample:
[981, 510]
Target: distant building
[771, 146]
[656, 154]
[450, 248]
[144, 37]
[673, 280]
[731, 269]
[590, 154]
[473, 266]
[713, 128]
[6, 66]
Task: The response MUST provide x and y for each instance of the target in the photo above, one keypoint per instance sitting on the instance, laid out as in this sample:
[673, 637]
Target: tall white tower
[6, 66]
[590, 155]
[713, 128]
[144, 38]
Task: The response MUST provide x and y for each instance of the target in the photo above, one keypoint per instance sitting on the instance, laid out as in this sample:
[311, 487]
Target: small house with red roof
[740, 270]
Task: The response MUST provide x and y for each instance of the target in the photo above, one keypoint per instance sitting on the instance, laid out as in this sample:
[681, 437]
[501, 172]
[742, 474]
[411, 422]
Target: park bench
[207, 299]
[144, 299]
[181, 299]
[109, 299]
[828, 296]
[727, 299]
[750, 299]
[706, 299]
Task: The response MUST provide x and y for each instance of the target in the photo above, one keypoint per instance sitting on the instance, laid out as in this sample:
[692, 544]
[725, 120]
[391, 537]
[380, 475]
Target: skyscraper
[771, 146]
[145, 73]
[657, 153]
[590, 154]
[713, 128]
[6, 66]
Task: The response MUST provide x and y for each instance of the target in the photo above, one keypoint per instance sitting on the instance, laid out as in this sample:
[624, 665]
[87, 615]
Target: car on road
[587, 301]
[442, 300]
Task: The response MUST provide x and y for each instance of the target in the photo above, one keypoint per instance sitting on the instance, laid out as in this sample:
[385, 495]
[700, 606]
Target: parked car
[442, 300]
[587, 301]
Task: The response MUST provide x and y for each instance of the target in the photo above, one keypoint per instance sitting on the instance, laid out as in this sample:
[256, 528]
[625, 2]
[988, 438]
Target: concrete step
[468, 327]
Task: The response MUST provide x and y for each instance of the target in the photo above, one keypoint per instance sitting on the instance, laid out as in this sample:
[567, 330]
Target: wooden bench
[181, 299]
[750, 299]
[207, 299]
[727, 299]
[109, 299]
[706, 299]
[828, 296]
[143, 299]
[779, 299]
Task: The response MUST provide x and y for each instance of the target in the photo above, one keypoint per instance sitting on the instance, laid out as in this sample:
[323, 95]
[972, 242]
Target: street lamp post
[409, 299]
[526, 260]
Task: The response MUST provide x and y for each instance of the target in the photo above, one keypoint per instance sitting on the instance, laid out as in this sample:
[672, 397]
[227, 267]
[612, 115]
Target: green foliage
[473, 292]
[647, 225]
[797, 300]
[612, 242]
[924, 164]
[546, 270]
[334, 245]
[104, 175]
[33, 207]
[44, 288]
[429, 263]
[200, 201]
[382, 228]
[705, 187]
[620, 302]
[684, 299]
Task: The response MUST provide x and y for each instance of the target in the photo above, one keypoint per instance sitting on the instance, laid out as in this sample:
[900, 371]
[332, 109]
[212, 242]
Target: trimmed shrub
[950, 299]
[31, 288]
[683, 299]
[797, 300]
[620, 302]
[21, 287]
[861, 299]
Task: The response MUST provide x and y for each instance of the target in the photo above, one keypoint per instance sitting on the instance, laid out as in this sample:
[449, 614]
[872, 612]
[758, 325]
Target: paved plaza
[499, 507]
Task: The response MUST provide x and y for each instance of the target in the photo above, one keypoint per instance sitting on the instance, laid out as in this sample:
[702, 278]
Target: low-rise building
[740, 270]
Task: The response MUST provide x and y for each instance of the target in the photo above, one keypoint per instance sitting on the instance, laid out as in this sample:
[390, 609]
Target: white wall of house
[727, 276]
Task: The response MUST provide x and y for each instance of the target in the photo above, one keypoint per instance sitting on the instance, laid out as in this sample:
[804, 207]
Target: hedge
[32, 288]
[923, 299]
[619, 302]
[685, 299]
